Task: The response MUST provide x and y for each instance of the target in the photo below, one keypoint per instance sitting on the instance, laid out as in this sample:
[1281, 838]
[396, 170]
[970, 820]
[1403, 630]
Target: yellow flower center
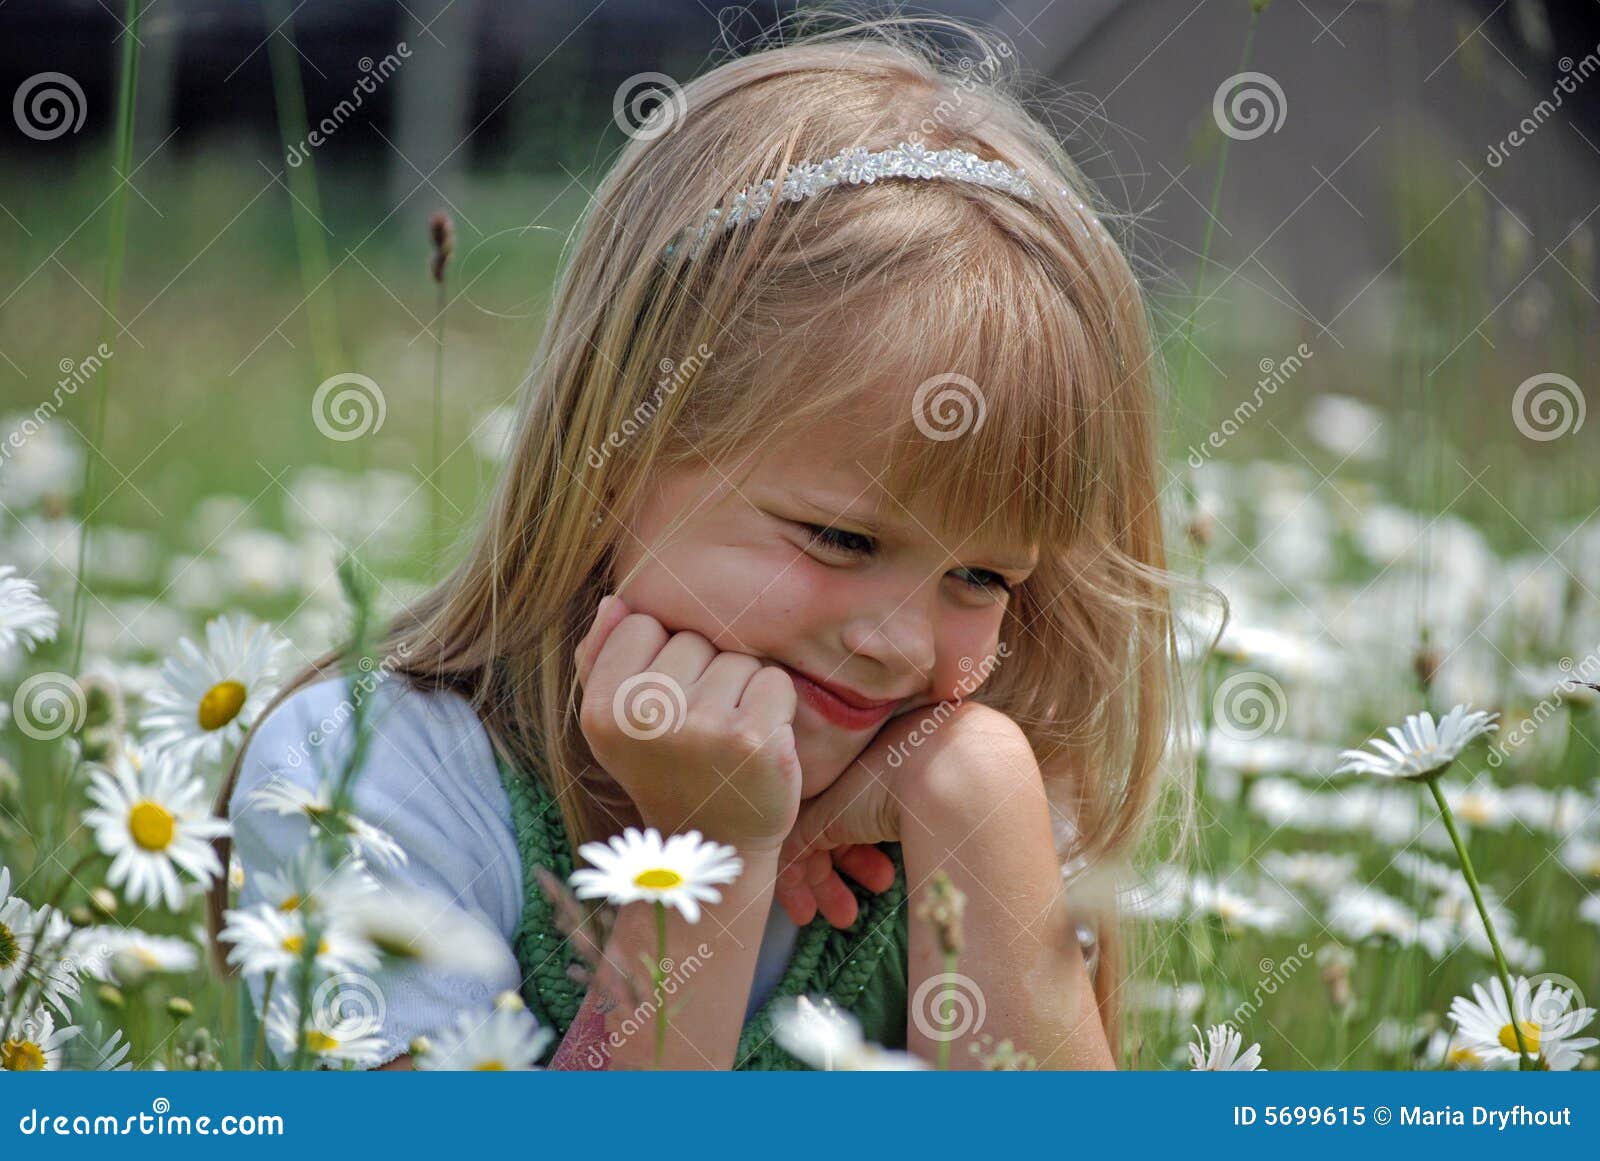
[22, 1056]
[1474, 809]
[1462, 1055]
[490, 1066]
[320, 1042]
[9, 949]
[221, 704]
[152, 825]
[290, 903]
[295, 944]
[658, 879]
[1530, 1034]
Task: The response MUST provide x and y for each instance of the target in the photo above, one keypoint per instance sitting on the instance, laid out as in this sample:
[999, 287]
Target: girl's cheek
[967, 658]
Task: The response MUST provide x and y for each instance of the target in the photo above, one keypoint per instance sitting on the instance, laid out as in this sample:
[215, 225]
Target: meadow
[1403, 515]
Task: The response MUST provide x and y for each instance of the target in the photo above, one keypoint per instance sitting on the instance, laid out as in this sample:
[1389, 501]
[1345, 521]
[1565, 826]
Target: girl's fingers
[800, 904]
[867, 864]
[608, 615]
[835, 900]
[818, 867]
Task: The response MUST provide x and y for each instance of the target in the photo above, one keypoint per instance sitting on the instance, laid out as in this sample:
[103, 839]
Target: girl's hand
[839, 827]
[698, 737]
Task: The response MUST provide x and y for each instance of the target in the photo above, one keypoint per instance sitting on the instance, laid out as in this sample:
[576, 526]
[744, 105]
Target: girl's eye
[838, 540]
[855, 544]
[983, 578]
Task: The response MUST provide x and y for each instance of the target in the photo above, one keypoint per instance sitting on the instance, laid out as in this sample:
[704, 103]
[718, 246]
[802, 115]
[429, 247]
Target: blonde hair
[871, 288]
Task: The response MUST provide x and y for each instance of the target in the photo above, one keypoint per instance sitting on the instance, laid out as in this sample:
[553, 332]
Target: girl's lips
[836, 710]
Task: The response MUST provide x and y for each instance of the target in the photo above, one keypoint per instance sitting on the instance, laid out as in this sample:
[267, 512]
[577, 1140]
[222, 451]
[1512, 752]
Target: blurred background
[1367, 230]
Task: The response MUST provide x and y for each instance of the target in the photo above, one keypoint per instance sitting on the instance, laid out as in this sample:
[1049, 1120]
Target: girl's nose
[899, 637]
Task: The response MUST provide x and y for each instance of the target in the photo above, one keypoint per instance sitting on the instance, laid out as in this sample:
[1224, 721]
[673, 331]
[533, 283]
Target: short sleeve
[431, 782]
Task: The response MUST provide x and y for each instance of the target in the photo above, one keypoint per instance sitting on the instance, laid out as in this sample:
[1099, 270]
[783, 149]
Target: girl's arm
[706, 987]
[979, 813]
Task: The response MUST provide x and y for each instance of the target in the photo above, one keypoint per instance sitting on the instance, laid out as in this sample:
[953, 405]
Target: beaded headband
[857, 166]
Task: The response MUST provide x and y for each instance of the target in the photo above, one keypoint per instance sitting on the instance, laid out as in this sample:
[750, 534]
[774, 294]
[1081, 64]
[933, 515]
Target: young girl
[861, 479]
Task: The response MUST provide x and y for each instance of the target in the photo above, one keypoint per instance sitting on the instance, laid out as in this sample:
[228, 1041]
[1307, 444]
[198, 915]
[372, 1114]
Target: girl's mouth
[834, 709]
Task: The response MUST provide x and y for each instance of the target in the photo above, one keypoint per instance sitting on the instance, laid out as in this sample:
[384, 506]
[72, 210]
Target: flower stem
[656, 976]
[122, 152]
[1488, 925]
[945, 1021]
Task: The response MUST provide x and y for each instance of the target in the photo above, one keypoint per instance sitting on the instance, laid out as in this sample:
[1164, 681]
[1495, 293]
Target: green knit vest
[861, 967]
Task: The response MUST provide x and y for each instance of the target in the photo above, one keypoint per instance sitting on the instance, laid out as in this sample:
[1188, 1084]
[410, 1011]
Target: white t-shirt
[431, 782]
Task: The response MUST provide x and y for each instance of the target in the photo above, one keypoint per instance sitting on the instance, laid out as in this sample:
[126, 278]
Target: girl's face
[808, 564]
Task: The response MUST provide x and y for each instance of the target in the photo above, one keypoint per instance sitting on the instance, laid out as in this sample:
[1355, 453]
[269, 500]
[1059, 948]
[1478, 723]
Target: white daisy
[1479, 804]
[208, 698]
[678, 873]
[1589, 909]
[1319, 871]
[16, 928]
[153, 820]
[135, 954]
[285, 797]
[417, 926]
[508, 1038]
[104, 1053]
[1218, 1051]
[33, 1043]
[829, 1039]
[332, 1037]
[1582, 856]
[25, 617]
[1447, 1050]
[265, 940]
[307, 882]
[1361, 913]
[1420, 749]
[1546, 1017]
[1233, 909]
[35, 942]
